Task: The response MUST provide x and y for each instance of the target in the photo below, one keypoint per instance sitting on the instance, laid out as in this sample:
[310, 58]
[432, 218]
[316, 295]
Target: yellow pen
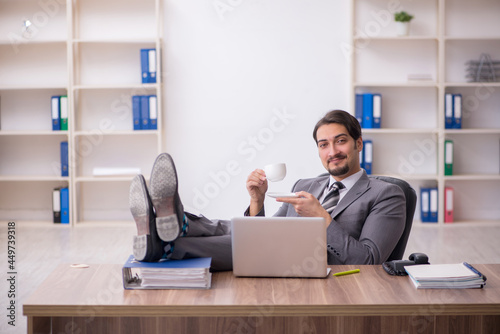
[342, 273]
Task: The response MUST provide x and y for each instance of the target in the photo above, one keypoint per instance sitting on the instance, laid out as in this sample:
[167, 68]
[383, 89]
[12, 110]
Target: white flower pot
[403, 28]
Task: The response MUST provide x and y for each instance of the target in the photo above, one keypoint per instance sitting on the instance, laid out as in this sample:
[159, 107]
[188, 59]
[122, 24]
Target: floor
[40, 247]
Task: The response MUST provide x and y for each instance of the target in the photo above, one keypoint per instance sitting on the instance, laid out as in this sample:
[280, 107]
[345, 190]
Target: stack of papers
[445, 276]
[167, 274]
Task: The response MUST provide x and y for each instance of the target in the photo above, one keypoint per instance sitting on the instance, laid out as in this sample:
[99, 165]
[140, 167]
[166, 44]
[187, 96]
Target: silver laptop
[279, 247]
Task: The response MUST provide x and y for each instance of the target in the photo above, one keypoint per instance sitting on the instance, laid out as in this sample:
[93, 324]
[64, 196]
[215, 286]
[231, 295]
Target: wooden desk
[93, 300]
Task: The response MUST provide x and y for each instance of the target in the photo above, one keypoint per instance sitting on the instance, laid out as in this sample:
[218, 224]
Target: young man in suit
[365, 217]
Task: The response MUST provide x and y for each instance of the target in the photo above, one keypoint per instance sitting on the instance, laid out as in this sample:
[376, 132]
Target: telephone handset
[397, 267]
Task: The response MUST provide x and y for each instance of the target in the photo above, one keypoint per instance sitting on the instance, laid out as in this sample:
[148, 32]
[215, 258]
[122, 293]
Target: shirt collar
[348, 182]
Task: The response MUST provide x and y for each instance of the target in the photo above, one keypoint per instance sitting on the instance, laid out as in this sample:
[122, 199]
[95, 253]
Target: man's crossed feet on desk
[157, 210]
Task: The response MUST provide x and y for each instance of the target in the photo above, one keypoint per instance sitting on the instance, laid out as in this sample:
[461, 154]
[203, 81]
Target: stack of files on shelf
[453, 111]
[368, 110]
[59, 112]
[445, 276]
[60, 205]
[366, 156]
[429, 205]
[145, 112]
[167, 274]
[64, 159]
[148, 65]
[448, 157]
[115, 171]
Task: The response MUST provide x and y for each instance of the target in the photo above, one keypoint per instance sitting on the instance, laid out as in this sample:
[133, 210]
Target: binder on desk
[56, 205]
[377, 111]
[424, 205]
[148, 65]
[448, 205]
[433, 205]
[191, 273]
[64, 206]
[448, 111]
[448, 157]
[367, 156]
[359, 108]
[457, 111]
[153, 112]
[55, 109]
[136, 112]
[144, 112]
[64, 159]
[368, 111]
[63, 104]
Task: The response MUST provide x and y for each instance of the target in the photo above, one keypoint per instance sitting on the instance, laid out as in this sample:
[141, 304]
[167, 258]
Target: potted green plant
[403, 19]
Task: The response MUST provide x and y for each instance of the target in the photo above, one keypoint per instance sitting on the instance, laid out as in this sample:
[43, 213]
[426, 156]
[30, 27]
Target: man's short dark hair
[341, 117]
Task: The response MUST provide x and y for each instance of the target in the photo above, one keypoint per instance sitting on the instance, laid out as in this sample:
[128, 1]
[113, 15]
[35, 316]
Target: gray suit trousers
[206, 238]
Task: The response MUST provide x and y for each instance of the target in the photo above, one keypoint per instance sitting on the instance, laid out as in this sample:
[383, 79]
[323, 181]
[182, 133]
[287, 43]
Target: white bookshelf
[88, 50]
[444, 35]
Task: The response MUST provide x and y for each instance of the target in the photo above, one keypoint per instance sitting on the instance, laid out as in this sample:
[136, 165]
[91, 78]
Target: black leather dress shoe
[147, 246]
[169, 210]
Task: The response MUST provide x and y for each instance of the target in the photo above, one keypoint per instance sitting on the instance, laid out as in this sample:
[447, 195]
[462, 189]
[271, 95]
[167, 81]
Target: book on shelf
[167, 274]
[136, 112]
[448, 157]
[429, 205]
[148, 65]
[368, 110]
[145, 112]
[55, 113]
[448, 204]
[366, 155]
[59, 112]
[446, 276]
[64, 159]
[56, 205]
[453, 111]
[64, 205]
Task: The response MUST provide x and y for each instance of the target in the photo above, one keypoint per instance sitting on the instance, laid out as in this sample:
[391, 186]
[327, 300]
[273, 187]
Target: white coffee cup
[275, 172]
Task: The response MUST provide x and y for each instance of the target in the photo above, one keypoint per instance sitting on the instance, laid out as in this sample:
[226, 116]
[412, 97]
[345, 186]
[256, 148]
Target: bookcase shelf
[444, 35]
[68, 52]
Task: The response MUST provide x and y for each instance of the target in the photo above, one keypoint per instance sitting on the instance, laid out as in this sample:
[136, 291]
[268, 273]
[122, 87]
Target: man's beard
[339, 170]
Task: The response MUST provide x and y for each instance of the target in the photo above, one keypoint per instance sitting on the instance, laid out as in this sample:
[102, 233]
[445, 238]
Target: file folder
[56, 126]
[136, 112]
[424, 205]
[56, 205]
[448, 157]
[433, 206]
[359, 108]
[448, 111]
[368, 156]
[457, 111]
[64, 206]
[64, 159]
[377, 111]
[153, 112]
[448, 204]
[63, 103]
[368, 111]
[148, 65]
[144, 112]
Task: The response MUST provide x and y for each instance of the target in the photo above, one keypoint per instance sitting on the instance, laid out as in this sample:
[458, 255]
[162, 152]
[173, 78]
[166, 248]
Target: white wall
[245, 82]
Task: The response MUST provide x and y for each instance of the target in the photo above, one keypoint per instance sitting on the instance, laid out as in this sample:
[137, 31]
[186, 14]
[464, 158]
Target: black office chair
[411, 203]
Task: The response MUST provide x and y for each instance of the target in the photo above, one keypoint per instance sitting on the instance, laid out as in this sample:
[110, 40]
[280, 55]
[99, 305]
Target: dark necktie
[332, 198]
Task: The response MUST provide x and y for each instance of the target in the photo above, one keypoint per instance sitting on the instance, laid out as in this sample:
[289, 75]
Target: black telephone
[397, 267]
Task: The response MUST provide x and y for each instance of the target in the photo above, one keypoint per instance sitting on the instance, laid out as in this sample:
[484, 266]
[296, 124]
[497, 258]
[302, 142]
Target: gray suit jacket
[366, 224]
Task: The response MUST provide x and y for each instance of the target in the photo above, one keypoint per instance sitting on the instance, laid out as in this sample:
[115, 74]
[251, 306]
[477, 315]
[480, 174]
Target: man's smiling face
[338, 151]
